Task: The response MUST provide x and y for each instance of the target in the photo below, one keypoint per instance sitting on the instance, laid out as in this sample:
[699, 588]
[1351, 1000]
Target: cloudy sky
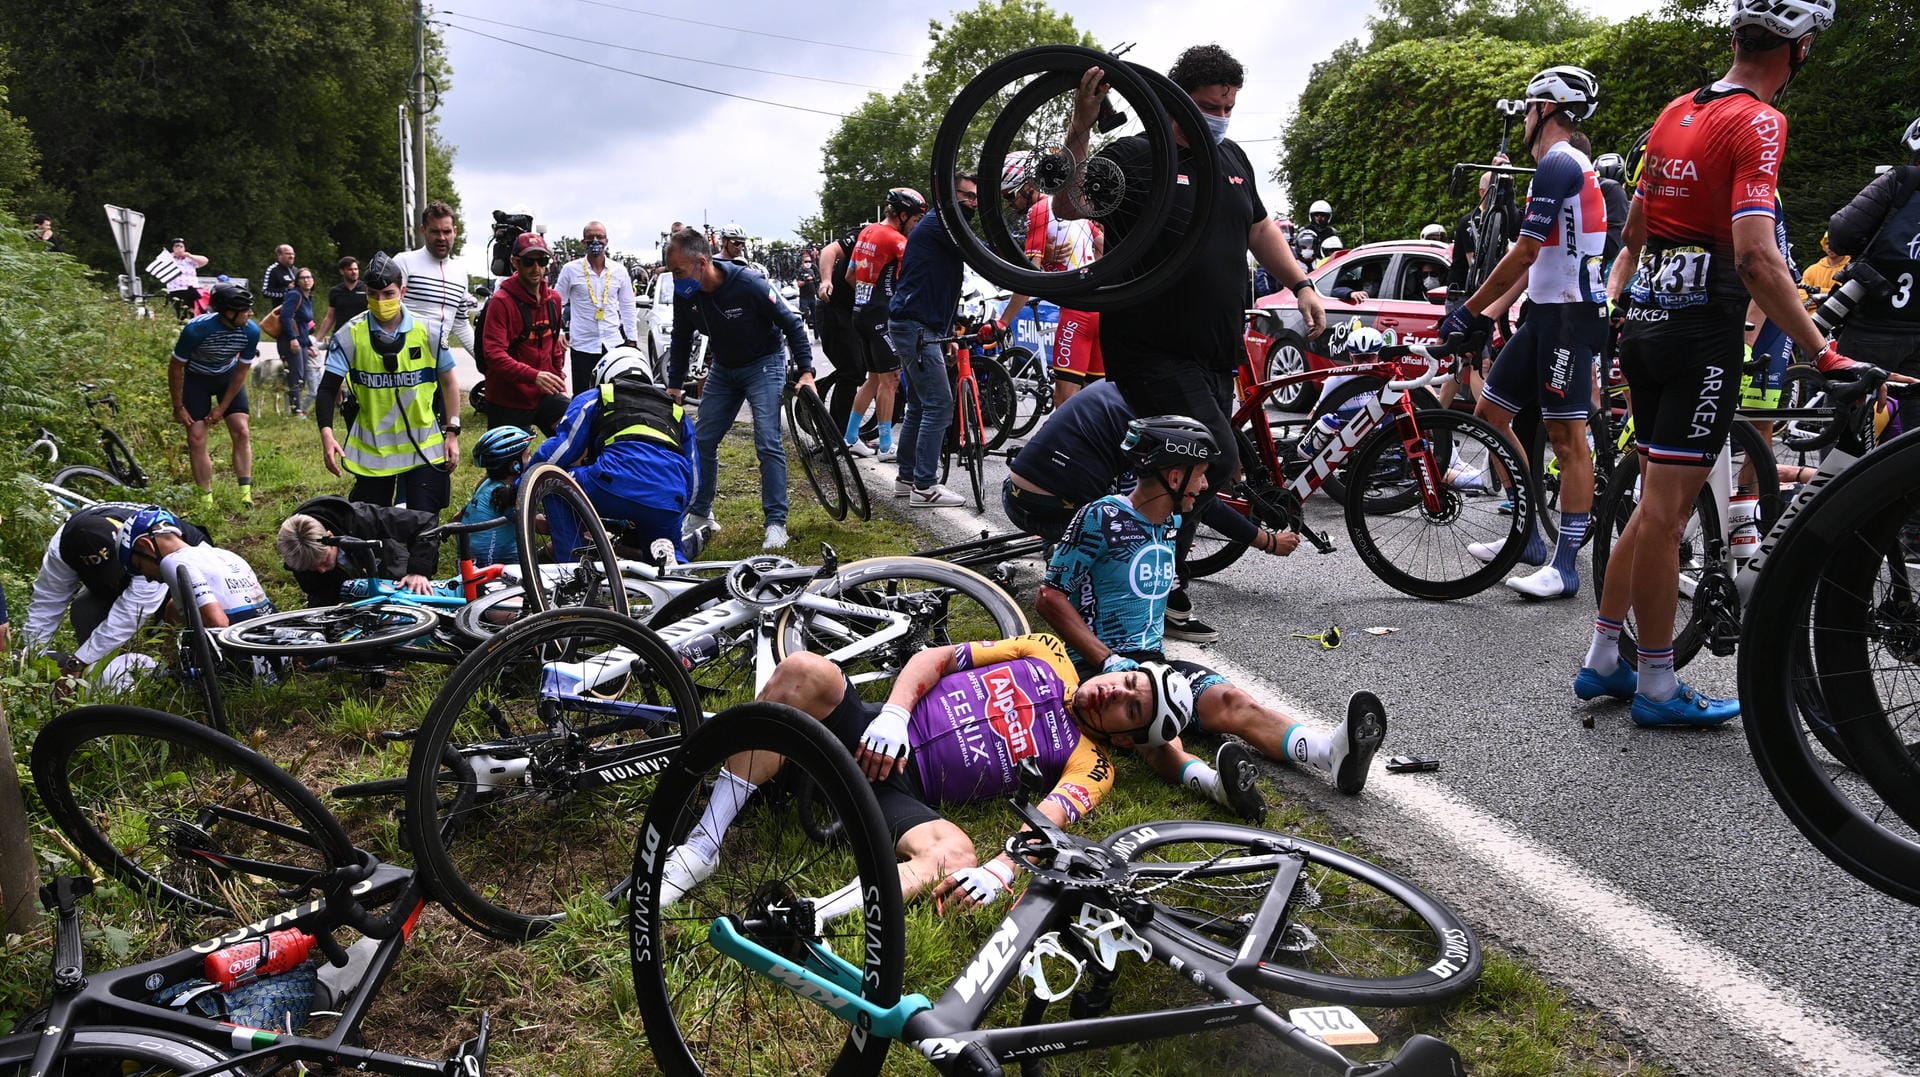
[558, 123]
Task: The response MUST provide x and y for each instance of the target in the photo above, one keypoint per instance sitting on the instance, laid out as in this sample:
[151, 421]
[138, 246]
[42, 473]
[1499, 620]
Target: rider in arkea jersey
[874, 269]
[1550, 361]
[1699, 242]
[1106, 595]
[957, 726]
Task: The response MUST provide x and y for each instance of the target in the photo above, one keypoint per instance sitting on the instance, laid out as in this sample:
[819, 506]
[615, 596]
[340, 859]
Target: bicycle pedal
[392, 735]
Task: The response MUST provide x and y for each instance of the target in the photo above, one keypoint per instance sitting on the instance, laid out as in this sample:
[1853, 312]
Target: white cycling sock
[1603, 655]
[1321, 749]
[837, 904]
[1203, 779]
[1657, 680]
[730, 794]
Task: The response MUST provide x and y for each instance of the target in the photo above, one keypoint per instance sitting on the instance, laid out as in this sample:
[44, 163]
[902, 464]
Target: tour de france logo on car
[1152, 573]
[1010, 713]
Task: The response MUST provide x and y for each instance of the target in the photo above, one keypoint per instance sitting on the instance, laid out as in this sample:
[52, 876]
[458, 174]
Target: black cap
[381, 271]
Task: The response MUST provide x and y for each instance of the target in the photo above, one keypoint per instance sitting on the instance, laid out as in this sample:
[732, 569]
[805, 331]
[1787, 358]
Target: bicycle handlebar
[348, 542]
[450, 530]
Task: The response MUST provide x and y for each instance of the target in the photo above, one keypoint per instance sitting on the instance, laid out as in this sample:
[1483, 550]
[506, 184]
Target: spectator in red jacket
[523, 352]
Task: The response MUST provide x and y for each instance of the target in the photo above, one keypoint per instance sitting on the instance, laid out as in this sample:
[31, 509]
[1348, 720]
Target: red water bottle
[258, 957]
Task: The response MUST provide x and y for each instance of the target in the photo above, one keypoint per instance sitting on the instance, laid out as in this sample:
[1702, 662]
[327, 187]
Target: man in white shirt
[436, 288]
[599, 296]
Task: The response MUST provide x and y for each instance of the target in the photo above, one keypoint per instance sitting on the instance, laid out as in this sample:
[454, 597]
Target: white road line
[1798, 1033]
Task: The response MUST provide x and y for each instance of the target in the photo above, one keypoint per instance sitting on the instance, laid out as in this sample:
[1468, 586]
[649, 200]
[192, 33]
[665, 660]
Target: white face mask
[1217, 125]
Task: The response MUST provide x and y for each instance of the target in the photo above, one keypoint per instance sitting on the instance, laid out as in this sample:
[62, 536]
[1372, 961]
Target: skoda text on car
[1405, 287]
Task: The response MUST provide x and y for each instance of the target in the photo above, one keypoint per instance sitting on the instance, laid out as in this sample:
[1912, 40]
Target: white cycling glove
[1118, 663]
[887, 733]
[987, 882]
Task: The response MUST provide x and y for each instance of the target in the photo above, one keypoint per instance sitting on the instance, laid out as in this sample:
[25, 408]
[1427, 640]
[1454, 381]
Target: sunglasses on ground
[1327, 640]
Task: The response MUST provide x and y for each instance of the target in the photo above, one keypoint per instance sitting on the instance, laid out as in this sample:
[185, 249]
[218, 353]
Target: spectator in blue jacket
[630, 445]
[295, 343]
[743, 319]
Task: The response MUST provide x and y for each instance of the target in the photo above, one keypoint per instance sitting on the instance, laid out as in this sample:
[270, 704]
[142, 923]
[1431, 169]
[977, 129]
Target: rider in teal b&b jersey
[1106, 595]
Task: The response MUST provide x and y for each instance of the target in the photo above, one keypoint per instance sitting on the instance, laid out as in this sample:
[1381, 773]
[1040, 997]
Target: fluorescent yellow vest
[395, 430]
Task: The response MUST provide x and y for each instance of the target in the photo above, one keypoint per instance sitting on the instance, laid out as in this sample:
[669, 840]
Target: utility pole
[419, 106]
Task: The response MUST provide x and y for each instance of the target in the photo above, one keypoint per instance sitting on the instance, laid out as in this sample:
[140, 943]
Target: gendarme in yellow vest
[395, 430]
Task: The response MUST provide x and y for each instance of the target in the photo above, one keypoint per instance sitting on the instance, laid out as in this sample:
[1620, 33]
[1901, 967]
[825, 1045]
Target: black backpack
[527, 324]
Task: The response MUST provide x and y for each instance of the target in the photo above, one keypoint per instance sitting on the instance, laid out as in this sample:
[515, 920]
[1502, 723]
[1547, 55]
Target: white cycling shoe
[684, 870]
[1484, 552]
[1545, 584]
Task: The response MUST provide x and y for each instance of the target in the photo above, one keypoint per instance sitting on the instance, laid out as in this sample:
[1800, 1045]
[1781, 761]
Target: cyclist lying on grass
[321, 570]
[956, 728]
[1106, 595]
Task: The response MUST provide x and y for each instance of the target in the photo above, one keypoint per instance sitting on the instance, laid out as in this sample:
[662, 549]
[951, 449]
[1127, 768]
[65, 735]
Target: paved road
[1648, 872]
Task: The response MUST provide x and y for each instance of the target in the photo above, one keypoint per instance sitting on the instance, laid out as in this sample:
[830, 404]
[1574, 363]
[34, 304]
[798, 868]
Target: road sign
[127, 224]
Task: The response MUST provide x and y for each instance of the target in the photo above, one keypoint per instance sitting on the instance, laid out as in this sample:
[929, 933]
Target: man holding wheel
[1179, 353]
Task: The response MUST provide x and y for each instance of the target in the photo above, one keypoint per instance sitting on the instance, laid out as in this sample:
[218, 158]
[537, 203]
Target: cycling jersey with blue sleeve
[1567, 213]
[1116, 567]
[217, 576]
[1004, 703]
[210, 346]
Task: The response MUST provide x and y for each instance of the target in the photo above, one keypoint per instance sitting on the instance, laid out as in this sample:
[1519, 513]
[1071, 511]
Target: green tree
[888, 140]
[237, 126]
[19, 159]
[1443, 91]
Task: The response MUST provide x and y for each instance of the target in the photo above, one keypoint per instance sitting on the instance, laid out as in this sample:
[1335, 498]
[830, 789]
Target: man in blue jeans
[743, 319]
[925, 298]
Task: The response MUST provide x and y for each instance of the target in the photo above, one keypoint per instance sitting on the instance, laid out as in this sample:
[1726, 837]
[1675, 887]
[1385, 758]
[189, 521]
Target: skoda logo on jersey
[1151, 575]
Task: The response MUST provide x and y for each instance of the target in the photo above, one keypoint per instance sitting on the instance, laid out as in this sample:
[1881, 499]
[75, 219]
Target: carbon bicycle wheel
[185, 814]
[852, 482]
[1031, 385]
[352, 628]
[1423, 549]
[1256, 495]
[559, 726]
[1825, 587]
[1029, 98]
[200, 662]
[973, 448]
[995, 387]
[577, 577]
[814, 449]
[706, 1013]
[1352, 932]
[111, 1051]
[915, 602]
[90, 482]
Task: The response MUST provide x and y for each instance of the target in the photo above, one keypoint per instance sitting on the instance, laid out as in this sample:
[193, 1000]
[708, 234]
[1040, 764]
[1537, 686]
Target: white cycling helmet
[1365, 340]
[733, 231]
[1434, 232]
[621, 362]
[1016, 170]
[1912, 136]
[1320, 206]
[1331, 244]
[1791, 19]
[1172, 703]
[1574, 89]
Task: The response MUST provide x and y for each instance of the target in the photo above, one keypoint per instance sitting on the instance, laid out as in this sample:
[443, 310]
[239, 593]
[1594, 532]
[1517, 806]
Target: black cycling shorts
[200, 392]
[879, 355]
[903, 803]
[1683, 371]
[1549, 361]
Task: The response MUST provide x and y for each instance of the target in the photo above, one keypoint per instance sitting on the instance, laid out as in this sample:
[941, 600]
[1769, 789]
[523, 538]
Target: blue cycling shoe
[1621, 684]
[1687, 707]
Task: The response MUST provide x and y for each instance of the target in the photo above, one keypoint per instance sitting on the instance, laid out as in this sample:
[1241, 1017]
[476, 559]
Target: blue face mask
[1217, 125]
[596, 246]
[686, 287]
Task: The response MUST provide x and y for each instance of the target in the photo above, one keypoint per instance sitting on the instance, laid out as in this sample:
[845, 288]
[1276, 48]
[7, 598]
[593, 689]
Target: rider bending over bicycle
[1106, 593]
[153, 546]
[322, 569]
[956, 728]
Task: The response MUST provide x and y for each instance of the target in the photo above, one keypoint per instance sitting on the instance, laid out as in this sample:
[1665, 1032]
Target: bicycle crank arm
[1321, 543]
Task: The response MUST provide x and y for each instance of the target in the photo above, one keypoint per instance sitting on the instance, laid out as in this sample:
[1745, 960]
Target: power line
[637, 74]
[740, 29]
[665, 55]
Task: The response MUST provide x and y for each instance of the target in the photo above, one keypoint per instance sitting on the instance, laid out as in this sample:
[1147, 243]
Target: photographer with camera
[1875, 295]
